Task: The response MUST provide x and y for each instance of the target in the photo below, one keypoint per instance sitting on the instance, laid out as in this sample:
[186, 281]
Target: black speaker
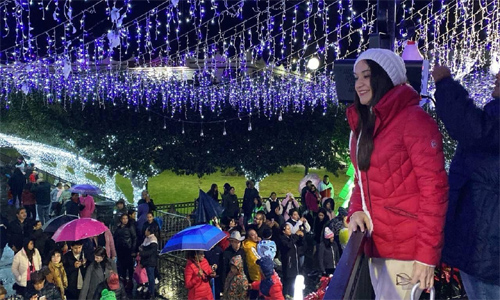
[416, 73]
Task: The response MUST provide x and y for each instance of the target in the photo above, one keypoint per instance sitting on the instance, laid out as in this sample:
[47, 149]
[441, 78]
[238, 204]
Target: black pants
[31, 211]
[125, 263]
[288, 284]
[72, 294]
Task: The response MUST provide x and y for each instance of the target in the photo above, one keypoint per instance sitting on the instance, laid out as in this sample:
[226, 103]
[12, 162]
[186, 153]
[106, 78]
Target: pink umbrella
[79, 229]
[313, 177]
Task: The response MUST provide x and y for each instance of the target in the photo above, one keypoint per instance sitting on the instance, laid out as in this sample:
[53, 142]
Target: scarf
[58, 276]
[149, 240]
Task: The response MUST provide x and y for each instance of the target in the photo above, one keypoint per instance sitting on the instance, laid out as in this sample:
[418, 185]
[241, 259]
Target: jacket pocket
[401, 212]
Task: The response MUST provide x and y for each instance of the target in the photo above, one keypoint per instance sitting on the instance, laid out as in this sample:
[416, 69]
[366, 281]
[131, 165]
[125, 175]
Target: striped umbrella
[200, 237]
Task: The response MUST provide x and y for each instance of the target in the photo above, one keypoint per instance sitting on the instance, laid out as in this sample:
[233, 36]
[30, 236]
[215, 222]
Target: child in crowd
[236, 285]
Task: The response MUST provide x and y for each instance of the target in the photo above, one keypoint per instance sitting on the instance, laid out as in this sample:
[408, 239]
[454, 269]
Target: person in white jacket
[297, 223]
[25, 262]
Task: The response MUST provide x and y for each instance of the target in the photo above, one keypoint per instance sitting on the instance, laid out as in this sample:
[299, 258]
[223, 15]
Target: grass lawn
[168, 187]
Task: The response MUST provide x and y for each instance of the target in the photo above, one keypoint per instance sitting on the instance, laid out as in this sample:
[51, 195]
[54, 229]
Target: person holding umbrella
[197, 275]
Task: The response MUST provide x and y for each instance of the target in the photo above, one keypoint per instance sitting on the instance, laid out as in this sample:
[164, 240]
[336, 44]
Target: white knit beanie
[393, 65]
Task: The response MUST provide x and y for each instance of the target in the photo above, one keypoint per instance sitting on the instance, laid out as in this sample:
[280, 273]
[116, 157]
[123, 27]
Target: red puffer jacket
[405, 190]
[198, 287]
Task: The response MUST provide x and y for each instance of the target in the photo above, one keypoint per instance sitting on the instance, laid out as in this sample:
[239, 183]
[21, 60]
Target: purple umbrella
[85, 189]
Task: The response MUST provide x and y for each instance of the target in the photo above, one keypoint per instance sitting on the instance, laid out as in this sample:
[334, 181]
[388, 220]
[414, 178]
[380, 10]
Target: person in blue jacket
[472, 230]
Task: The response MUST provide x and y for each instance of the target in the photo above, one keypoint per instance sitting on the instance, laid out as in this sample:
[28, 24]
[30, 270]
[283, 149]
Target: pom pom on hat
[392, 64]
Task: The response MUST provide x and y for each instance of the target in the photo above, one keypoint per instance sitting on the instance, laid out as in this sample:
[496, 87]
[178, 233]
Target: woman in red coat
[197, 275]
[400, 193]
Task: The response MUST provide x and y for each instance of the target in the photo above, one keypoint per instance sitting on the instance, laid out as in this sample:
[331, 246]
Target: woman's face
[56, 258]
[124, 219]
[288, 230]
[231, 191]
[255, 201]
[328, 205]
[200, 255]
[133, 215]
[150, 218]
[273, 196]
[313, 188]
[31, 245]
[232, 223]
[98, 259]
[362, 85]
[321, 216]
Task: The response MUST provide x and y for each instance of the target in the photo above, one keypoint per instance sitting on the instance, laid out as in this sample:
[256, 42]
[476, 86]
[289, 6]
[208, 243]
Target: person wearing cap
[328, 252]
[472, 229]
[400, 194]
[233, 250]
[111, 284]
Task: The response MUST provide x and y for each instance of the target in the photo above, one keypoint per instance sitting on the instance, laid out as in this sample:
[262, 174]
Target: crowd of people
[285, 228]
[93, 268]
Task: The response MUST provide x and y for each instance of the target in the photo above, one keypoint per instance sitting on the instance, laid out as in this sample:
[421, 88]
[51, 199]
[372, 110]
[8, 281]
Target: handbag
[414, 290]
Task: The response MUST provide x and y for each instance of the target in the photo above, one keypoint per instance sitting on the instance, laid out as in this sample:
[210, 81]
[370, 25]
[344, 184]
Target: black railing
[187, 208]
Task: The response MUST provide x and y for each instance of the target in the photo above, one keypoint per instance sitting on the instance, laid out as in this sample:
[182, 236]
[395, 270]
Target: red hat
[113, 281]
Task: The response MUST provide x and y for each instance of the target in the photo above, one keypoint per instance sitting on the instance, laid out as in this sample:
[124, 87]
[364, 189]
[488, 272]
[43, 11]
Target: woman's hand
[440, 72]
[423, 274]
[359, 219]
[200, 272]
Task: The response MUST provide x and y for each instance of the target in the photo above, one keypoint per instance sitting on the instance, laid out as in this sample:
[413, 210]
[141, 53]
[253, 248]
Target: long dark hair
[380, 84]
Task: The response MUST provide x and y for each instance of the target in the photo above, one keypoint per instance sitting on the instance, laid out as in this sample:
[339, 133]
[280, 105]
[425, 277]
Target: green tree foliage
[125, 140]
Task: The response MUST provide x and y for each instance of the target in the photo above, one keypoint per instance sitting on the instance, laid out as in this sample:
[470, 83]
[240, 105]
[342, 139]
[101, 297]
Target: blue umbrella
[200, 237]
[86, 189]
[208, 208]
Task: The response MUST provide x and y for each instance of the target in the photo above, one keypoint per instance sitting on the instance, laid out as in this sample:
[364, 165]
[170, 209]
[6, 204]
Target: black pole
[385, 25]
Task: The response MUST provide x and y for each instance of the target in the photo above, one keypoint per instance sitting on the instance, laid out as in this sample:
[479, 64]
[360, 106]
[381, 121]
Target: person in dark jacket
[75, 265]
[39, 288]
[41, 189]
[304, 191]
[125, 242]
[96, 273]
[149, 258]
[233, 250]
[472, 231]
[319, 224]
[248, 204]
[19, 229]
[214, 257]
[145, 198]
[28, 200]
[153, 226]
[16, 184]
[230, 204]
[214, 192]
[73, 206]
[39, 237]
[328, 252]
[289, 244]
[112, 283]
[121, 209]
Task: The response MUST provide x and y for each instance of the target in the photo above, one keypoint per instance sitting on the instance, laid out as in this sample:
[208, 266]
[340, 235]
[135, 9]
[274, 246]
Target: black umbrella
[207, 208]
[53, 224]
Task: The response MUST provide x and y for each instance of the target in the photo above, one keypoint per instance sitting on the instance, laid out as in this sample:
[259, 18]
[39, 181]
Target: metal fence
[171, 265]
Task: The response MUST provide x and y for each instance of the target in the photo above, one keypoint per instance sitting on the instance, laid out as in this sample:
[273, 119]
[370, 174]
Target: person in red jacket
[197, 275]
[270, 286]
[400, 193]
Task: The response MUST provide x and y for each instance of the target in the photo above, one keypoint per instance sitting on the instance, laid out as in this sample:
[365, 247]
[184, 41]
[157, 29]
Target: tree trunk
[306, 170]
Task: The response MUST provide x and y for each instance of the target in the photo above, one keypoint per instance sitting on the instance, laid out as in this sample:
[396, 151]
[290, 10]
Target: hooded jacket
[253, 268]
[404, 191]
[198, 286]
[472, 232]
[236, 285]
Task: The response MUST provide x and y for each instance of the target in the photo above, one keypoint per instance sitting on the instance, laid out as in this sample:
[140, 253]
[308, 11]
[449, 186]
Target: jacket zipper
[369, 201]
[297, 257]
[333, 256]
